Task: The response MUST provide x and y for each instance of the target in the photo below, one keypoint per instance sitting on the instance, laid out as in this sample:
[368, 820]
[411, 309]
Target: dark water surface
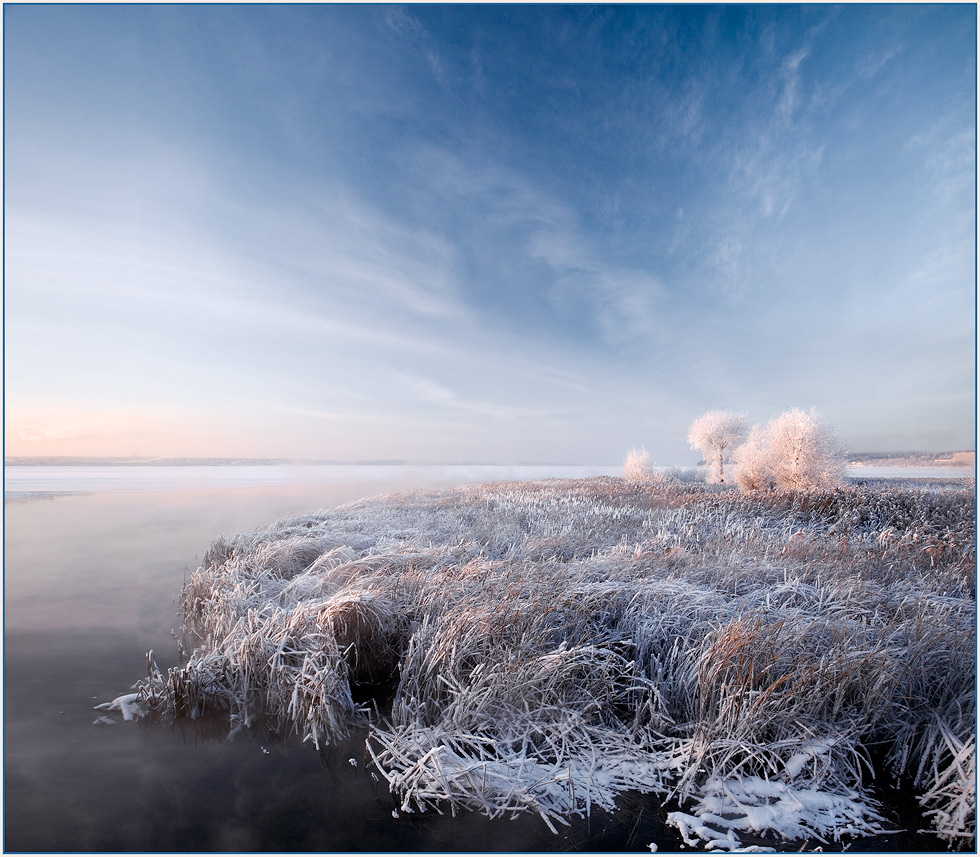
[91, 584]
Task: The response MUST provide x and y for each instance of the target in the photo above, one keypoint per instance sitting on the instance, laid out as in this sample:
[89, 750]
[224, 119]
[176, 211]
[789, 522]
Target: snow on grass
[127, 705]
[759, 806]
[544, 647]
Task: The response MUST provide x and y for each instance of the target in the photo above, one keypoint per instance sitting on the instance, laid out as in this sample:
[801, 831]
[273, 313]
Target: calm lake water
[94, 562]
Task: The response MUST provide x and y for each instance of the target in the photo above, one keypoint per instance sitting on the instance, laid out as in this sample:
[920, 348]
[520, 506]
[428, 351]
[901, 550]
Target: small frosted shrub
[636, 466]
[685, 475]
[665, 476]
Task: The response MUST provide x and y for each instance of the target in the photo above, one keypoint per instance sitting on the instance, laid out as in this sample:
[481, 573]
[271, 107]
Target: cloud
[408, 26]
[790, 98]
[370, 259]
[402, 23]
[208, 324]
[873, 63]
[583, 274]
[724, 261]
[31, 432]
[435, 395]
[479, 80]
[944, 280]
[774, 169]
[90, 428]
[623, 302]
[776, 149]
[950, 159]
[492, 191]
[330, 302]
[324, 241]
[684, 116]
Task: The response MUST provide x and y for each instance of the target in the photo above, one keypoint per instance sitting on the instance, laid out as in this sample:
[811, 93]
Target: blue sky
[485, 233]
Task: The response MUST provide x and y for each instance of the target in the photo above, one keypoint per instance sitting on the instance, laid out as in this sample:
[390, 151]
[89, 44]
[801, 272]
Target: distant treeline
[912, 459]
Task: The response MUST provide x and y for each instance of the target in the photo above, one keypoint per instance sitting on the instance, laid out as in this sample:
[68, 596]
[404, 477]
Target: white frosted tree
[797, 451]
[753, 462]
[636, 466]
[806, 454]
[716, 434]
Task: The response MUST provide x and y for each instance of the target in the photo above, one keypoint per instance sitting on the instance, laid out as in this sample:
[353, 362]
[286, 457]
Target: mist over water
[326, 484]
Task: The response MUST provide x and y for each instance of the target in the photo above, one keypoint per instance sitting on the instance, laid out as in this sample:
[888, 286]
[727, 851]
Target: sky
[503, 233]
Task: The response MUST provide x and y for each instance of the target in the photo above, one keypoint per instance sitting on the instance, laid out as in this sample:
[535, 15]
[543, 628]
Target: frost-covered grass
[546, 646]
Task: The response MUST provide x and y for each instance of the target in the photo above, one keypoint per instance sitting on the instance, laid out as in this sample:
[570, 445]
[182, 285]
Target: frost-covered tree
[636, 466]
[753, 462]
[806, 454]
[715, 434]
[797, 451]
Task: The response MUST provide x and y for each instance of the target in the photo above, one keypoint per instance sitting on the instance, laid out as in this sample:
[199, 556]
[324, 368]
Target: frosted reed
[543, 647]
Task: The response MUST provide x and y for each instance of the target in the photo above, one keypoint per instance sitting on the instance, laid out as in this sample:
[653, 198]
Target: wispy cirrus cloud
[789, 98]
[582, 275]
[408, 26]
[623, 302]
[779, 152]
[870, 65]
[949, 154]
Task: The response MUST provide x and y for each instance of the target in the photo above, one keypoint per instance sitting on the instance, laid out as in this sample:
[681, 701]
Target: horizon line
[232, 461]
